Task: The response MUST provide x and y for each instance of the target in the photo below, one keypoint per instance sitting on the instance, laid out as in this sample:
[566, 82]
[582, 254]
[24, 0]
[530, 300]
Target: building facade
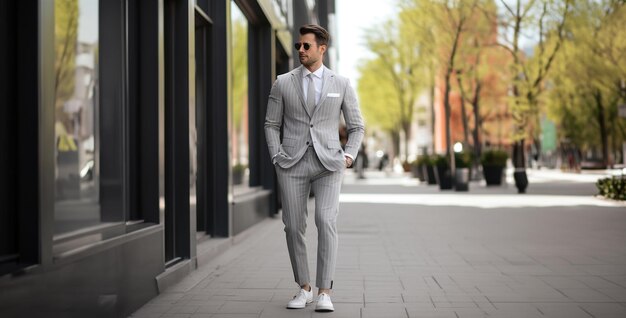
[132, 143]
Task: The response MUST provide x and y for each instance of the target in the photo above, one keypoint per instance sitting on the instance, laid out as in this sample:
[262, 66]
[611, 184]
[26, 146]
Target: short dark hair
[322, 37]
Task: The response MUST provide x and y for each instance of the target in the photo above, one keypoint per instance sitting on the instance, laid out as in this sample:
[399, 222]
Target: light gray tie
[310, 95]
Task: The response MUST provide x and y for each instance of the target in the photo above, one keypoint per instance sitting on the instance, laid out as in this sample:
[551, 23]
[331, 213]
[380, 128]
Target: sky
[88, 21]
[353, 17]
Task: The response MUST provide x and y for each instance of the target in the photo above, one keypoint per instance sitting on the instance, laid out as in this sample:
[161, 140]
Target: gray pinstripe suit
[310, 156]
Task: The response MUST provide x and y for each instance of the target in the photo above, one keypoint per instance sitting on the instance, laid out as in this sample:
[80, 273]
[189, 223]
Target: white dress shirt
[318, 80]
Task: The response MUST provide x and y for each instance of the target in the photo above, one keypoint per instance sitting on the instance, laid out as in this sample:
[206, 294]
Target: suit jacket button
[311, 126]
[307, 142]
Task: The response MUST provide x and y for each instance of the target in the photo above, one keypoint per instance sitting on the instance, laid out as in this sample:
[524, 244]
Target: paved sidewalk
[418, 259]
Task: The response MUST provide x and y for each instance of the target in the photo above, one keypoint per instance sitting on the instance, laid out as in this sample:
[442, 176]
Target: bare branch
[507, 7]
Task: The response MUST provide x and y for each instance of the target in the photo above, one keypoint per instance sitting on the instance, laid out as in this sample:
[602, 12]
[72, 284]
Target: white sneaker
[324, 303]
[301, 299]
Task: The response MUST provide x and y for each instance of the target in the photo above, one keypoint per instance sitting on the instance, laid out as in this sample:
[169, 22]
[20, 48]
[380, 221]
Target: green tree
[378, 100]
[239, 88]
[448, 22]
[66, 38]
[477, 67]
[546, 20]
[584, 95]
[240, 71]
[397, 52]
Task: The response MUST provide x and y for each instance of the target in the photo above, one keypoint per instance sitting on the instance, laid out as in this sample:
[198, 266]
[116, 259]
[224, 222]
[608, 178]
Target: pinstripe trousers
[295, 183]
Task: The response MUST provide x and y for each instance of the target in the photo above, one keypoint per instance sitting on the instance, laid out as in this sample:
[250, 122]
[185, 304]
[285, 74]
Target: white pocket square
[333, 95]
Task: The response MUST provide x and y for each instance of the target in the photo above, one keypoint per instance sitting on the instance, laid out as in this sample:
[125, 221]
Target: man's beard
[308, 62]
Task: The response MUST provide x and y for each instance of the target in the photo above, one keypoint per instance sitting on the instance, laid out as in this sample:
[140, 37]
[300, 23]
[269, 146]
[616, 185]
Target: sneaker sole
[298, 307]
[324, 309]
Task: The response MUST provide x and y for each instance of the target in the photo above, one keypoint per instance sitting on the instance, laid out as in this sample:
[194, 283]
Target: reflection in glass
[193, 159]
[239, 133]
[76, 110]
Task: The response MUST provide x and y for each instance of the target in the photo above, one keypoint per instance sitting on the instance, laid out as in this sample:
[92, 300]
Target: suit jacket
[287, 108]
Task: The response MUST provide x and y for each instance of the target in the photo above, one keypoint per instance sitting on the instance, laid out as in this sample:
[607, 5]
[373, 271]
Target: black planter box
[444, 178]
[493, 175]
[462, 176]
[429, 174]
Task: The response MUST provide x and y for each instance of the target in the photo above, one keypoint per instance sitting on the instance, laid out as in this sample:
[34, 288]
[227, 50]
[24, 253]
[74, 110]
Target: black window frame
[19, 164]
[203, 26]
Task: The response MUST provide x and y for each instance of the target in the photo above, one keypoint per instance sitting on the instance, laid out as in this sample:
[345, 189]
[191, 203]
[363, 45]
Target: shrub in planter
[416, 170]
[428, 170]
[612, 188]
[463, 161]
[417, 167]
[238, 171]
[443, 173]
[493, 162]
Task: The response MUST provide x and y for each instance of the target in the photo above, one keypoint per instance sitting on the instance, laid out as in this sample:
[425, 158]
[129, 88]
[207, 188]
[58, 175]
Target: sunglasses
[306, 46]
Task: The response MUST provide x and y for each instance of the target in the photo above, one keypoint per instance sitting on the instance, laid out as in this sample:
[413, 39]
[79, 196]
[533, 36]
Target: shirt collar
[319, 73]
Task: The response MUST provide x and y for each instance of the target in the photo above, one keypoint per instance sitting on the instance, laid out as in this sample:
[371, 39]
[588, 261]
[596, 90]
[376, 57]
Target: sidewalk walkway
[411, 259]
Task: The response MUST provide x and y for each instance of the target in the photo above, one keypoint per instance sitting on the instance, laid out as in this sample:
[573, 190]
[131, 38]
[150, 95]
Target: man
[307, 104]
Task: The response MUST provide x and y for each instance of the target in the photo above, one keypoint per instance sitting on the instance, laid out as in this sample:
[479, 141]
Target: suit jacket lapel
[329, 76]
[296, 79]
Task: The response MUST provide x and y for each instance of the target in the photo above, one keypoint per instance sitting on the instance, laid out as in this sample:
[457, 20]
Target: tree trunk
[395, 140]
[406, 127]
[463, 112]
[432, 113]
[519, 157]
[603, 131]
[465, 124]
[446, 104]
[477, 123]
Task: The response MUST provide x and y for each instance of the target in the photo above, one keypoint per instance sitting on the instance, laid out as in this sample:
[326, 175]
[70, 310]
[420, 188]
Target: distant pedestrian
[307, 104]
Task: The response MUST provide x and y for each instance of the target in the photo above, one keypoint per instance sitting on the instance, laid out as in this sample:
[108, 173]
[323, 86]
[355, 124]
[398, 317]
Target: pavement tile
[348, 296]
[559, 310]
[260, 283]
[430, 312]
[152, 309]
[416, 297]
[184, 309]
[210, 306]
[452, 304]
[563, 282]
[241, 307]
[387, 311]
[604, 269]
[597, 282]
[515, 310]
[341, 311]
[277, 310]
[617, 294]
[381, 296]
[617, 280]
[470, 313]
[244, 295]
[585, 295]
[604, 309]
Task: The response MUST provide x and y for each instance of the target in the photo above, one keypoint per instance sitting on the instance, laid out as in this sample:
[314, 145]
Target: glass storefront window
[76, 115]
[239, 132]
